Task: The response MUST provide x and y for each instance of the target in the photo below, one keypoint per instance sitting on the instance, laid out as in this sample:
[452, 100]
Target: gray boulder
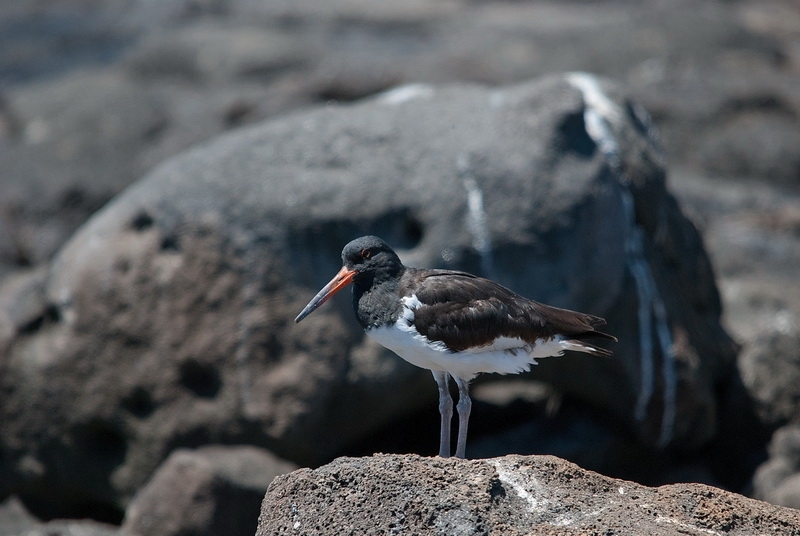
[778, 479]
[166, 321]
[392, 494]
[721, 81]
[74, 528]
[78, 143]
[770, 368]
[14, 518]
[213, 490]
[16, 521]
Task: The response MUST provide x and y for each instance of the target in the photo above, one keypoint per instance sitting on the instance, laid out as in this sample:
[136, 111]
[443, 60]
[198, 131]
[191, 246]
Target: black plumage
[463, 311]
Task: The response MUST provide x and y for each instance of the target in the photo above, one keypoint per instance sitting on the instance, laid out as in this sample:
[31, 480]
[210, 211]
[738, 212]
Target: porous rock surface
[512, 495]
[93, 94]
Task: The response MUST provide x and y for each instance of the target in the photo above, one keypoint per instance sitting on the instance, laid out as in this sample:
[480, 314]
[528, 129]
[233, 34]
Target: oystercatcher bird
[453, 323]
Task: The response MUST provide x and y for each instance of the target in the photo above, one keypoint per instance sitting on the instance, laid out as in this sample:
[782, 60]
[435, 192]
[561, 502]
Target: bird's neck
[376, 300]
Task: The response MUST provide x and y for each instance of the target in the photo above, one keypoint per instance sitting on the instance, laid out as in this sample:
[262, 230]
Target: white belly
[504, 356]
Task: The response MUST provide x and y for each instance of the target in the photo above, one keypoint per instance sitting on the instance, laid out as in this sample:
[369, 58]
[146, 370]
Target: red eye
[365, 253]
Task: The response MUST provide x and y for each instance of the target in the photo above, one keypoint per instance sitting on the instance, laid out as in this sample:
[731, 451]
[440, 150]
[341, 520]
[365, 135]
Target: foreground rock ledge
[405, 494]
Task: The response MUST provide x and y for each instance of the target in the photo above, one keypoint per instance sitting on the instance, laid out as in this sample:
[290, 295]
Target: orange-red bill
[339, 281]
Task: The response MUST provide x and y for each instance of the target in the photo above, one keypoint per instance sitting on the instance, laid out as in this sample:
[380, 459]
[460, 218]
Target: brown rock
[393, 494]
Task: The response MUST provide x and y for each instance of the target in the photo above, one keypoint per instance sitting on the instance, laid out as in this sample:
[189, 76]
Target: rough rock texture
[94, 93]
[167, 319]
[391, 494]
[210, 491]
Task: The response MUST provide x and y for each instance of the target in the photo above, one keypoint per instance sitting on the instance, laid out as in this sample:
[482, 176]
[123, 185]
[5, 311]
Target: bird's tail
[588, 348]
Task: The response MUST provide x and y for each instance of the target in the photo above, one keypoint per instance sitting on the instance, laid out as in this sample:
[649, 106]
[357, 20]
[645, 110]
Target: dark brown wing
[463, 310]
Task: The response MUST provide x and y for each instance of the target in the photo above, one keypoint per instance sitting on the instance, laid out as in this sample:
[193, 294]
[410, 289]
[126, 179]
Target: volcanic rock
[392, 494]
[166, 321]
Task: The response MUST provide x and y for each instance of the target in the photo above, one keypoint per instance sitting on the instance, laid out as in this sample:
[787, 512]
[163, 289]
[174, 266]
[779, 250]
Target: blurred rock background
[94, 95]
